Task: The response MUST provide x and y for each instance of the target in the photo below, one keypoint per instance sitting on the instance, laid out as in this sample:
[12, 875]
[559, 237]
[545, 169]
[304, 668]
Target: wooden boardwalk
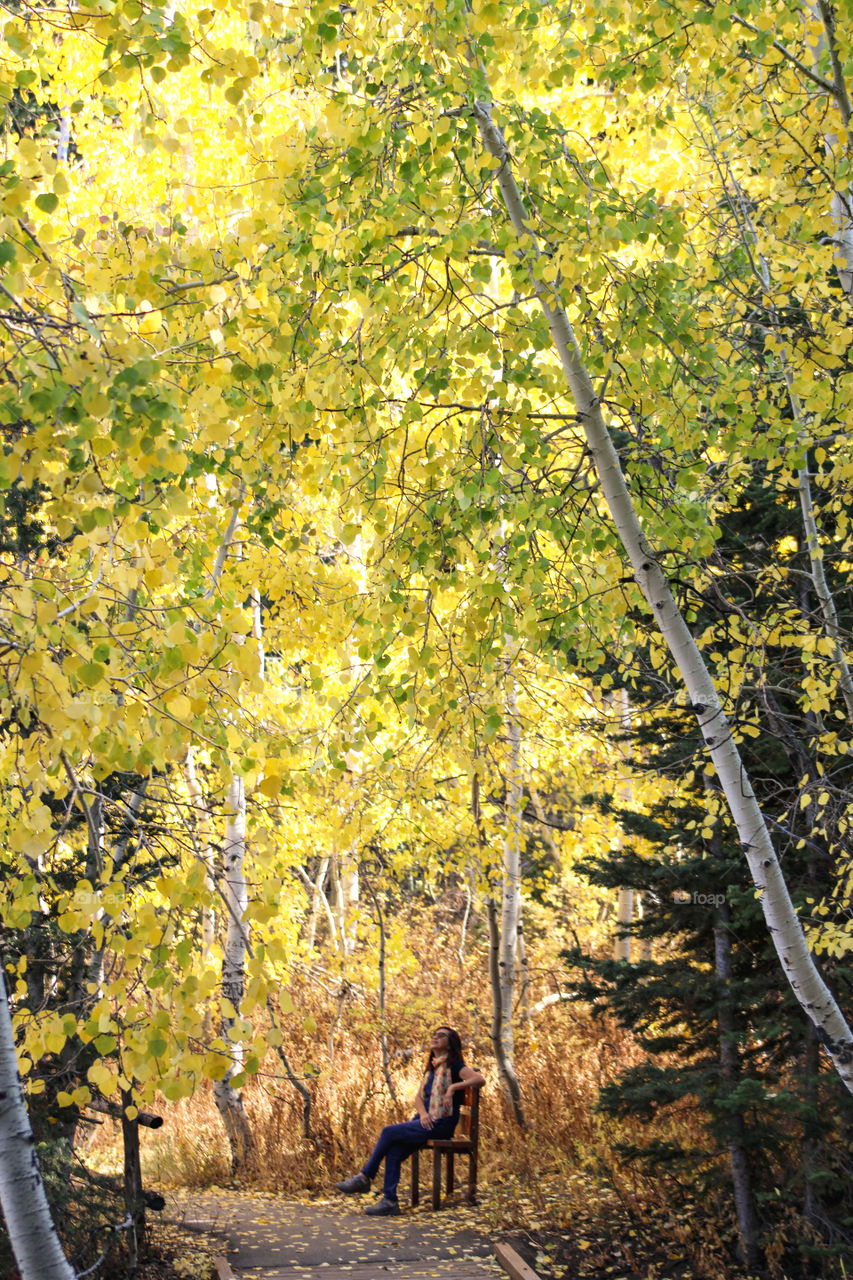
[266, 1237]
[511, 1265]
[441, 1269]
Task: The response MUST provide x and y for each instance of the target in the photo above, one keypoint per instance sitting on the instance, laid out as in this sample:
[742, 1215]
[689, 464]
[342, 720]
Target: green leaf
[91, 673]
[47, 202]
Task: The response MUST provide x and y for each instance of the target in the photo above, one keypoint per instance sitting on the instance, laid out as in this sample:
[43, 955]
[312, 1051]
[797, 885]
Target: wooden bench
[464, 1143]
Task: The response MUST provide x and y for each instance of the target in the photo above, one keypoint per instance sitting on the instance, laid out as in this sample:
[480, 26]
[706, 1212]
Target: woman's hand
[426, 1120]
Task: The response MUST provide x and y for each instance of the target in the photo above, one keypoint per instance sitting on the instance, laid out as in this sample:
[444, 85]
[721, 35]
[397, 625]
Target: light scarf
[440, 1101]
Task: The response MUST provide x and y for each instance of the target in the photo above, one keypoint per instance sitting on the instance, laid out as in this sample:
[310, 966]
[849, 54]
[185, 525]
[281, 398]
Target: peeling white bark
[235, 897]
[511, 872]
[32, 1234]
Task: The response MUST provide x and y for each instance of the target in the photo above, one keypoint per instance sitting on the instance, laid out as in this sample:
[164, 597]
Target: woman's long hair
[454, 1048]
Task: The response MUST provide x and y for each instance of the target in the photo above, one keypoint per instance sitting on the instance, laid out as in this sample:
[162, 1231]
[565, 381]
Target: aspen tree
[799, 967]
[32, 1233]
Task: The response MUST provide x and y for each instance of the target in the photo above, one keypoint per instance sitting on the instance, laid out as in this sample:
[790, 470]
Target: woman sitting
[438, 1101]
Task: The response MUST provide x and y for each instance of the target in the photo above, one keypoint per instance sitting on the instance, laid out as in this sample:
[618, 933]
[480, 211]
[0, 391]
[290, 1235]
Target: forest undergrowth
[558, 1189]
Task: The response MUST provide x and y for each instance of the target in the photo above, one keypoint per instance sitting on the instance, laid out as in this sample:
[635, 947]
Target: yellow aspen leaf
[149, 321]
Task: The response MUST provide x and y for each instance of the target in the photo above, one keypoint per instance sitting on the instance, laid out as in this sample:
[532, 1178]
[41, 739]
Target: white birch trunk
[344, 921]
[785, 930]
[235, 900]
[32, 1235]
[624, 920]
[318, 899]
[523, 972]
[511, 873]
[506, 1066]
[235, 897]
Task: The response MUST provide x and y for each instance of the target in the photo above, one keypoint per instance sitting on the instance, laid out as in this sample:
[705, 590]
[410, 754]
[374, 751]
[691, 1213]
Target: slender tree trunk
[204, 850]
[812, 1211]
[466, 916]
[545, 829]
[744, 1197]
[523, 973]
[624, 920]
[300, 1087]
[36, 944]
[625, 901]
[228, 1100]
[85, 945]
[822, 591]
[506, 1066]
[258, 632]
[134, 1201]
[350, 898]
[511, 880]
[94, 975]
[639, 913]
[340, 1001]
[235, 899]
[339, 908]
[383, 1030]
[786, 932]
[32, 1234]
[318, 898]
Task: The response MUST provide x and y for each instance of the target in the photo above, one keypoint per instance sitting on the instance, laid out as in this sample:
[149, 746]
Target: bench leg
[436, 1178]
[416, 1186]
[472, 1178]
[448, 1179]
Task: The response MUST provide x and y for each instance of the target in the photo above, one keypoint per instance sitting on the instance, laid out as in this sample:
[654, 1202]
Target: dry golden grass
[562, 1175]
[563, 1056]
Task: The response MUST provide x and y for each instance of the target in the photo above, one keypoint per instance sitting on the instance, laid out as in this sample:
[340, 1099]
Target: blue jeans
[396, 1143]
